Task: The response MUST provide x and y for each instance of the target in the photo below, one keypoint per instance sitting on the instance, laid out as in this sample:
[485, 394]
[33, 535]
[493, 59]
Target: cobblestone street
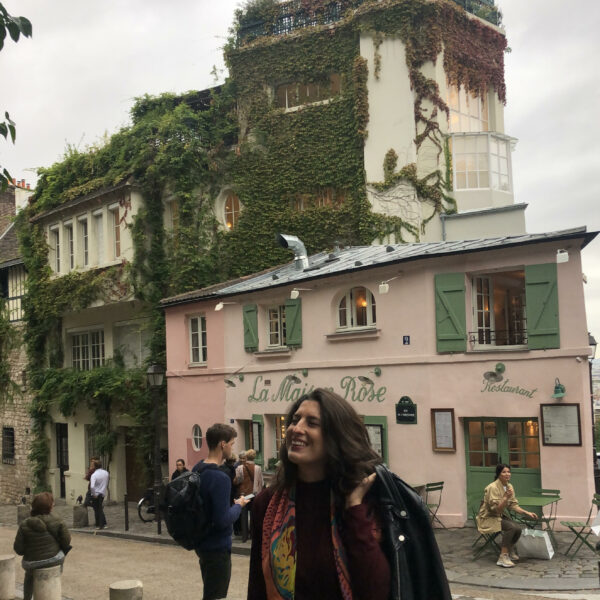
[169, 571]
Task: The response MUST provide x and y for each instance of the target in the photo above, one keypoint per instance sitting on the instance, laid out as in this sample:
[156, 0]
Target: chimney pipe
[295, 244]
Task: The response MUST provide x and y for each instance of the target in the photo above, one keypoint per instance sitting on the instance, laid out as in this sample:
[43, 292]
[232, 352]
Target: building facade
[454, 353]
[15, 474]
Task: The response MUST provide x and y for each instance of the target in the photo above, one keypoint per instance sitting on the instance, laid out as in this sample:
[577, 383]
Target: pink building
[454, 353]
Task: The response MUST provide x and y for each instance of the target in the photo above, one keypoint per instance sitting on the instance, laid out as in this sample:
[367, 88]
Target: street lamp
[155, 375]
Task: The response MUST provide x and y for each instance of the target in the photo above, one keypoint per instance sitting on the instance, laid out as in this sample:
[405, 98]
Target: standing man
[98, 487]
[214, 551]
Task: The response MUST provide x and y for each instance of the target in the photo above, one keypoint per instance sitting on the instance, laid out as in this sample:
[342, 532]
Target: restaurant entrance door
[489, 441]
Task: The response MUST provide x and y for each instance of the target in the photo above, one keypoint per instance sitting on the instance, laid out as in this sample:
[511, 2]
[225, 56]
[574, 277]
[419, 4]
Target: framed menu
[443, 434]
[561, 424]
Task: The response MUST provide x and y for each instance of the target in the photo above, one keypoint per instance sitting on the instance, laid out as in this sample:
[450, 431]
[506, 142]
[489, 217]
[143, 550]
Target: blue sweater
[215, 491]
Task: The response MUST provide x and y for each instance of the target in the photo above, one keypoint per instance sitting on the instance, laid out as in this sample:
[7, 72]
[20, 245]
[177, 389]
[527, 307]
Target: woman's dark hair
[349, 456]
[500, 468]
[42, 504]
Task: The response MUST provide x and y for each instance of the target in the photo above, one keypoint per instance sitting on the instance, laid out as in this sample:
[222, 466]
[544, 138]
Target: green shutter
[450, 314]
[250, 313]
[541, 299]
[293, 322]
[258, 444]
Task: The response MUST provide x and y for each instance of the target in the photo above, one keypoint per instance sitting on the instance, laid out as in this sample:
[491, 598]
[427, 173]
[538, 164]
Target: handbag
[535, 543]
[88, 499]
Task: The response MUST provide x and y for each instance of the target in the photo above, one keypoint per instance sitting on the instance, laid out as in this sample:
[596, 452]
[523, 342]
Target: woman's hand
[355, 497]
[531, 515]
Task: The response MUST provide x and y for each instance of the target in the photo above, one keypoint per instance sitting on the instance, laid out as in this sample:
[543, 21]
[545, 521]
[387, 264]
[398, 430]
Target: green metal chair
[485, 541]
[582, 530]
[433, 499]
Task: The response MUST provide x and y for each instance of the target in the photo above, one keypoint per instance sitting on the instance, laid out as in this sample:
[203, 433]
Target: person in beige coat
[499, 496]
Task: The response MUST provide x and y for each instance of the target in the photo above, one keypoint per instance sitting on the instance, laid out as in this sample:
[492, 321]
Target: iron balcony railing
[498, 337]
[293, 16]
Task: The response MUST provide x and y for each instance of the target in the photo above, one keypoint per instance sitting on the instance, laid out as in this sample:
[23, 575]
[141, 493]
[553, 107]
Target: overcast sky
[76, 79]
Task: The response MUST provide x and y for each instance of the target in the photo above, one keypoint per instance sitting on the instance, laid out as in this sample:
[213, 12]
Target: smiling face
[304, 442]
[504, 476]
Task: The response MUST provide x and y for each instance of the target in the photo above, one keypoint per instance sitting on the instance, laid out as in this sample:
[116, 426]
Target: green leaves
[15, 26]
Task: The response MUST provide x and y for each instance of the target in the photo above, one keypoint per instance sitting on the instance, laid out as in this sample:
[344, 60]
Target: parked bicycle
[146, 510]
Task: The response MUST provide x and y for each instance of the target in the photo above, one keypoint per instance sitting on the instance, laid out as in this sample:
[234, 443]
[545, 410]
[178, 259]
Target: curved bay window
[232, 210]
[357, 309]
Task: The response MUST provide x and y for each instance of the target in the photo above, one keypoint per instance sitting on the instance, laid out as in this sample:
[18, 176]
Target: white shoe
[504, 561]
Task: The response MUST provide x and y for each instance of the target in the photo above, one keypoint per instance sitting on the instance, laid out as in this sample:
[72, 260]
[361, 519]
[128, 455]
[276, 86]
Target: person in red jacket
[314, 533]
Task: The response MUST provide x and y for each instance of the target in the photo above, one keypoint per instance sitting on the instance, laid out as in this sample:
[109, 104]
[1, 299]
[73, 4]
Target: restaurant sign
[507, 388]
[350, 388]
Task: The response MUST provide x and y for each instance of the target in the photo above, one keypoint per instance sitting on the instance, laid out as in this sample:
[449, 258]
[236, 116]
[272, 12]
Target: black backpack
[185, 513]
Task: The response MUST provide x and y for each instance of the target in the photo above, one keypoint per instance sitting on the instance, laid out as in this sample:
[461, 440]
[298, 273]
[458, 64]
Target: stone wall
[15, 480]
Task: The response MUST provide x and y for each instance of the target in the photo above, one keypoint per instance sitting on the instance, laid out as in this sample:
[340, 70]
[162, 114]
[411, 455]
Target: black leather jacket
[417, 571]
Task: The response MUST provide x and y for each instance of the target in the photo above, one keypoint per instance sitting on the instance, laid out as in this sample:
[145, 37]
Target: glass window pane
[489, 428]
[475, 443]
[472, 181]
[474, 428]
[491, 460]
[476, 459]
[484, 179]
[532, 461]
[461, 181]
[515, 428]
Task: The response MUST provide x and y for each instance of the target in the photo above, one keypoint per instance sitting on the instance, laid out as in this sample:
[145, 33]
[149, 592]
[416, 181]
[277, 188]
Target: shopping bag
[535, 543]
[596, 525]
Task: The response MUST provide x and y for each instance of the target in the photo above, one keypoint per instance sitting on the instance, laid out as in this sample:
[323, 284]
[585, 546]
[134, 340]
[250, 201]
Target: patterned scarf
[279, 548]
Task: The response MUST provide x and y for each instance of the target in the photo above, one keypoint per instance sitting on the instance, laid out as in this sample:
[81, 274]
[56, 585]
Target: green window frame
[374, 424]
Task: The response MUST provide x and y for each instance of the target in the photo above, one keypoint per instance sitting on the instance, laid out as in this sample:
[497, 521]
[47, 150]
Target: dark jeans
[216, 573]
[245, 514]
[99, 511]
[511, 532]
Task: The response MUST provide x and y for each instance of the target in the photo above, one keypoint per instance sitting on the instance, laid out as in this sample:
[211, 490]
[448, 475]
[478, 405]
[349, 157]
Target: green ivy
[190, 146]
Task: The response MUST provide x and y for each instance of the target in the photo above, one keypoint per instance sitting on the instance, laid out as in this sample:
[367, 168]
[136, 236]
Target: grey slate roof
[359, 258]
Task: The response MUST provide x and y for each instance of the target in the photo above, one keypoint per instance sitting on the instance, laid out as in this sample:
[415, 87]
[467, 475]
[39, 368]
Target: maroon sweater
[316, 575]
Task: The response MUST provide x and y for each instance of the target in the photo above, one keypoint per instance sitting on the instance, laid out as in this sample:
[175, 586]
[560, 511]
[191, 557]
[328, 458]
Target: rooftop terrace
[293, 15]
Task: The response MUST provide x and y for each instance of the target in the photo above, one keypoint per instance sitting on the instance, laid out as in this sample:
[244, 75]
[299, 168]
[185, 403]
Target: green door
[491, 441]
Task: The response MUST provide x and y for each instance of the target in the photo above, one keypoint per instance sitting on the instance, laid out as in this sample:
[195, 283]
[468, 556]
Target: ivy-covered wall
[190, 146]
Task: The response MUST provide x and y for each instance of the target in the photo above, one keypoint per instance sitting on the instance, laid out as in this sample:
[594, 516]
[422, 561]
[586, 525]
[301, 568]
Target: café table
[538, 503]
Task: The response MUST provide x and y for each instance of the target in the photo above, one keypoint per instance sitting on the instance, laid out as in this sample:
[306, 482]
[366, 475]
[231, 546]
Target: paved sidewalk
[559, 574]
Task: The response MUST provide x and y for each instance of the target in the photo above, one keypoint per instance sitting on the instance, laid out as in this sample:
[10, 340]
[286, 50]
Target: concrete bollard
[130, 589]
[80, 516]
[47, 584]
[23, 512]
[7, 577]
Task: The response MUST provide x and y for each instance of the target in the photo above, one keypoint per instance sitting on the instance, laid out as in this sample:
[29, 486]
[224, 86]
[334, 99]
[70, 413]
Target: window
[8, 445]
[481, 161]
[327, 196]
[87, 350]
[131, 341]
[499, 309]
[55, 248]
[290, 95]
[197, 437]
[198, 349]
[377, 431]
[70, 246]
[116, 231]
[277, 331]
[468, 113]
[357, 309]
[279, 432]
[83, 241]
[232, 210]
[99, 238]
[12, 287]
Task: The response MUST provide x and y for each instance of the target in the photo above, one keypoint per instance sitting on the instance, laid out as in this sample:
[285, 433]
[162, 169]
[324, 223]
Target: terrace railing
[293, 16]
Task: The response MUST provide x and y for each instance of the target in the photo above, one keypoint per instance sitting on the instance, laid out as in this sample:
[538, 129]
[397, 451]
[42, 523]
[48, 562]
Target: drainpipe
[443, 218]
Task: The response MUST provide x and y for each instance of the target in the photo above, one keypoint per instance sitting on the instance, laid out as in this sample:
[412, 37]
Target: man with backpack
[214, 549]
